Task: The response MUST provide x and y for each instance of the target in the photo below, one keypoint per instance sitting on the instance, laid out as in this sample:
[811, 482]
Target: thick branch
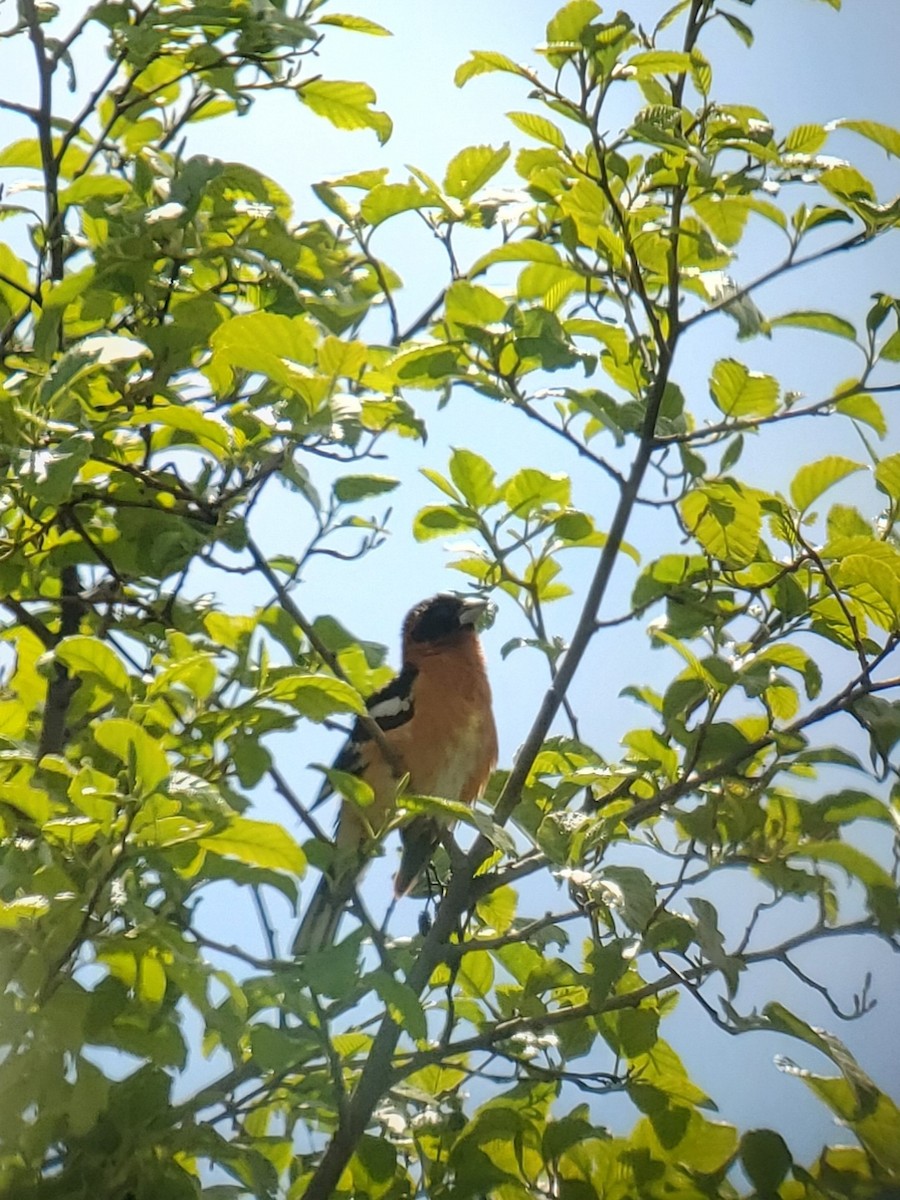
[61, 688]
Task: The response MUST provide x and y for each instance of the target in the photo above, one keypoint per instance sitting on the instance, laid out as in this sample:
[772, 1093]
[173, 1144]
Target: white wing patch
[390, 706]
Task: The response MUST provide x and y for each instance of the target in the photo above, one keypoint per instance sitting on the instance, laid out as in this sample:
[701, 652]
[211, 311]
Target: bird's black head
[442, 616]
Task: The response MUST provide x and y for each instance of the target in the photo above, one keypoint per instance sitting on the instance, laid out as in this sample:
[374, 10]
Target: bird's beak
[476, 611]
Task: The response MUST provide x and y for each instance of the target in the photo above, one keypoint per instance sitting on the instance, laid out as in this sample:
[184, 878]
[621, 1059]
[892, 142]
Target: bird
[438, 720]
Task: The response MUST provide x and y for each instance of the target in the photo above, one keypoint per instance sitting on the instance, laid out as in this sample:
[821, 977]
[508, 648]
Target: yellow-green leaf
[386, 200]
[136, 749]
[468, 304]
[472, 168]
[725, 519]
[538, 127]
[212, 435]
[815, 478]
[317, 696]
[259, 843]
[887, 475]
[89, 656]
[22, 909]
[346, 104]
[822, 322]
[884, 136]
[875, 583]
[356, 24]
[739, 392]
[865, 408]
[483, 62]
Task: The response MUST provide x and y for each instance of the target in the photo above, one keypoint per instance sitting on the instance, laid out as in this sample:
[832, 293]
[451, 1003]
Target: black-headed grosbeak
[436, 716]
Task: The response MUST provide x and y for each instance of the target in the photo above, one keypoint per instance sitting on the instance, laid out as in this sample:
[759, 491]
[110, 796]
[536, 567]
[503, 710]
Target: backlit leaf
[815, 478]
[821, 322]
[346, 104]
[470, 169]
[739, 392]
[259, 843]
[538, 127]
[474, 476]
[89, 656]
[884, 136]
[132, 745]
[725, 518]
[483, 62]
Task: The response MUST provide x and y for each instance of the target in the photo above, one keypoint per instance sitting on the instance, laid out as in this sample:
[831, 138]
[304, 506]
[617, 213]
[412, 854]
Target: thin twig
[369, 724]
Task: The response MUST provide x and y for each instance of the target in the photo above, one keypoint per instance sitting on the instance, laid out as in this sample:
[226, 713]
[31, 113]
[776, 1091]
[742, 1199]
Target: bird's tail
[420, 839]
[319, 926]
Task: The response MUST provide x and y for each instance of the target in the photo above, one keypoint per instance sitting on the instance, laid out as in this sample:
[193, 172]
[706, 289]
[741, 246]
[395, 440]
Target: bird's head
[444, 619]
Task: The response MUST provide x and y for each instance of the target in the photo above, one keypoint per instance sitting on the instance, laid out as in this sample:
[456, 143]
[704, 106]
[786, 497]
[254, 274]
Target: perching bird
[436, 716]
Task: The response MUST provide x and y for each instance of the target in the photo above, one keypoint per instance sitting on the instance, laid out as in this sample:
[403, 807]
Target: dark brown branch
[61, 687]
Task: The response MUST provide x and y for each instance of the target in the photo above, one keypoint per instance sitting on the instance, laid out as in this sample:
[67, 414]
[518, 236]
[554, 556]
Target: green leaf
[350, 488]
[386, 200]
[405, 1006]
[815, 478]
[530, 490]
[890, 350]
[476, 974]
[468, 304]
[822, 322]
[132, 745]
[805, 139]
[875, 583]
[569, 23]
[766, 1159]
[211, 434]
[741, 28]
[259, 843]
[530, 251]
[847, 184]
[865, 408]
[539, 128]
[712, 942]
[22, 910]
[317, 696]
[440, 482]
[49, 472]
[887, 475]
[355, 789]
[354, 23]
[884, 136]
[484, 62]
[632, 893]
[474, 476]
[14, 272]
[89, 656]
[725, 518]
[470, 169]
[857, 865]
[437, 520]
[659, 62]
[346, 104]
[268, 343]
[739, 392]
[796, 659]
[92, 187]
[726, 216]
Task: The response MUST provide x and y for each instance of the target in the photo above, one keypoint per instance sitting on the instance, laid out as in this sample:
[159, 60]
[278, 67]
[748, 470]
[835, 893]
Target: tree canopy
[181, 342]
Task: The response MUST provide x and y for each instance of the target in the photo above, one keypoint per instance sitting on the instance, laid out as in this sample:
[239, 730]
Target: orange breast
[449, 745]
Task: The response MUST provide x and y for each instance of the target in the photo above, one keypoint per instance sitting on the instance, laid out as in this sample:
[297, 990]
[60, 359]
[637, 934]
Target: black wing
[391, 706]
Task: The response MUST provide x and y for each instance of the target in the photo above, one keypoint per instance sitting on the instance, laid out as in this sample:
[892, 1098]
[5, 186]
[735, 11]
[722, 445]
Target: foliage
[173, 344]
